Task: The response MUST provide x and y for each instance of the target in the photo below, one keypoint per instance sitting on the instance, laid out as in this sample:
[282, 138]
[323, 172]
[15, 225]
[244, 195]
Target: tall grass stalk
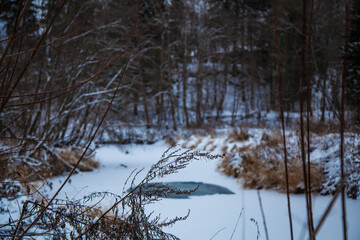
[282, 115]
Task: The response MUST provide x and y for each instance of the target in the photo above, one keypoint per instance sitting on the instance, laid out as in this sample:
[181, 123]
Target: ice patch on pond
[192, 189]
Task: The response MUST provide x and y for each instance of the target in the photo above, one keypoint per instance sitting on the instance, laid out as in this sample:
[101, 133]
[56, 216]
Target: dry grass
[171, 141]
[233, 149]
[270, 174]
[208, 144]
[229, 167]
[272, 141]
[71, 156]
[322, 129]
[192, 146]
[54, 164]
[213, 147]
[244, 148]
[197, 143]
[238, 135]
[211, 132]
[262, 166]
[224, 149]
[126, 217]
[25, 173]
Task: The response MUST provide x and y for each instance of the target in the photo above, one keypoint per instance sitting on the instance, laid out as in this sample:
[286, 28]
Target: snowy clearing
[212, 216]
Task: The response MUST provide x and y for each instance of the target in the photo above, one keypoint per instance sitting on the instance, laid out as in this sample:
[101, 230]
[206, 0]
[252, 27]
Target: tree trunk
[323, 99]
[252, 66]
[199, 85]
[147, 118]
[222, 91]
[169, 88]
[184, 78]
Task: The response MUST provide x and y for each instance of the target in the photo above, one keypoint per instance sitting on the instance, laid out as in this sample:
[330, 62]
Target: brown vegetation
[171, 141]
[238, 135]
[229, 167]
[51, 165]
[262, 166]
[125, 219]
[71, 156]
[321, 129]
[272, 141]
[256, 173]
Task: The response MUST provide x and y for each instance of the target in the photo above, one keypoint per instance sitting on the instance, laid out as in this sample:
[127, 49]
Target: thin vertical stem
[308, 108]
[302, 141]
[282, 116]
[329, 208]
[263, 215]
[342, 117]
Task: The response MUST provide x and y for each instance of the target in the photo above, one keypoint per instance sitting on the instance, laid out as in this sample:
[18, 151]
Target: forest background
[181, 63]
[137, 71]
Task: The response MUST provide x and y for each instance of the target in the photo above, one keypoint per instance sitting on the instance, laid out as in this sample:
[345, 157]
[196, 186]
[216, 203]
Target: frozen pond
[216, 216]
[191, 189]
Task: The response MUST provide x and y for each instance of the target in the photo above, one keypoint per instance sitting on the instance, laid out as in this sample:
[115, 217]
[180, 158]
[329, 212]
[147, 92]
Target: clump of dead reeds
[273, 140]
[171, 141]
[230, 166]
[262, 166]
[238, 135]
[26, 170]
[256, 172]
[71, 156]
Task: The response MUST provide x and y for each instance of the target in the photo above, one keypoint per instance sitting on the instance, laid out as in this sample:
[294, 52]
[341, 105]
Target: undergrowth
[19, 173]
[255, 157]
[261, 166]
[125, 219]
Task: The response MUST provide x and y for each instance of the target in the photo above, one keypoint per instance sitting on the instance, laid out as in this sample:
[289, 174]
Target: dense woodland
[69, 67]
[179, 63]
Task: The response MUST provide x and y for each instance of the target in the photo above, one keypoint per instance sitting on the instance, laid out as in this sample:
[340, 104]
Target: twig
[263, 215]
[257, 228]
[218, 232]
[237, 222]
[328, 209]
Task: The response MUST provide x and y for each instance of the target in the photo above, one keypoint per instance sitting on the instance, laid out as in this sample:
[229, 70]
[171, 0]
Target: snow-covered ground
[211, 216]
